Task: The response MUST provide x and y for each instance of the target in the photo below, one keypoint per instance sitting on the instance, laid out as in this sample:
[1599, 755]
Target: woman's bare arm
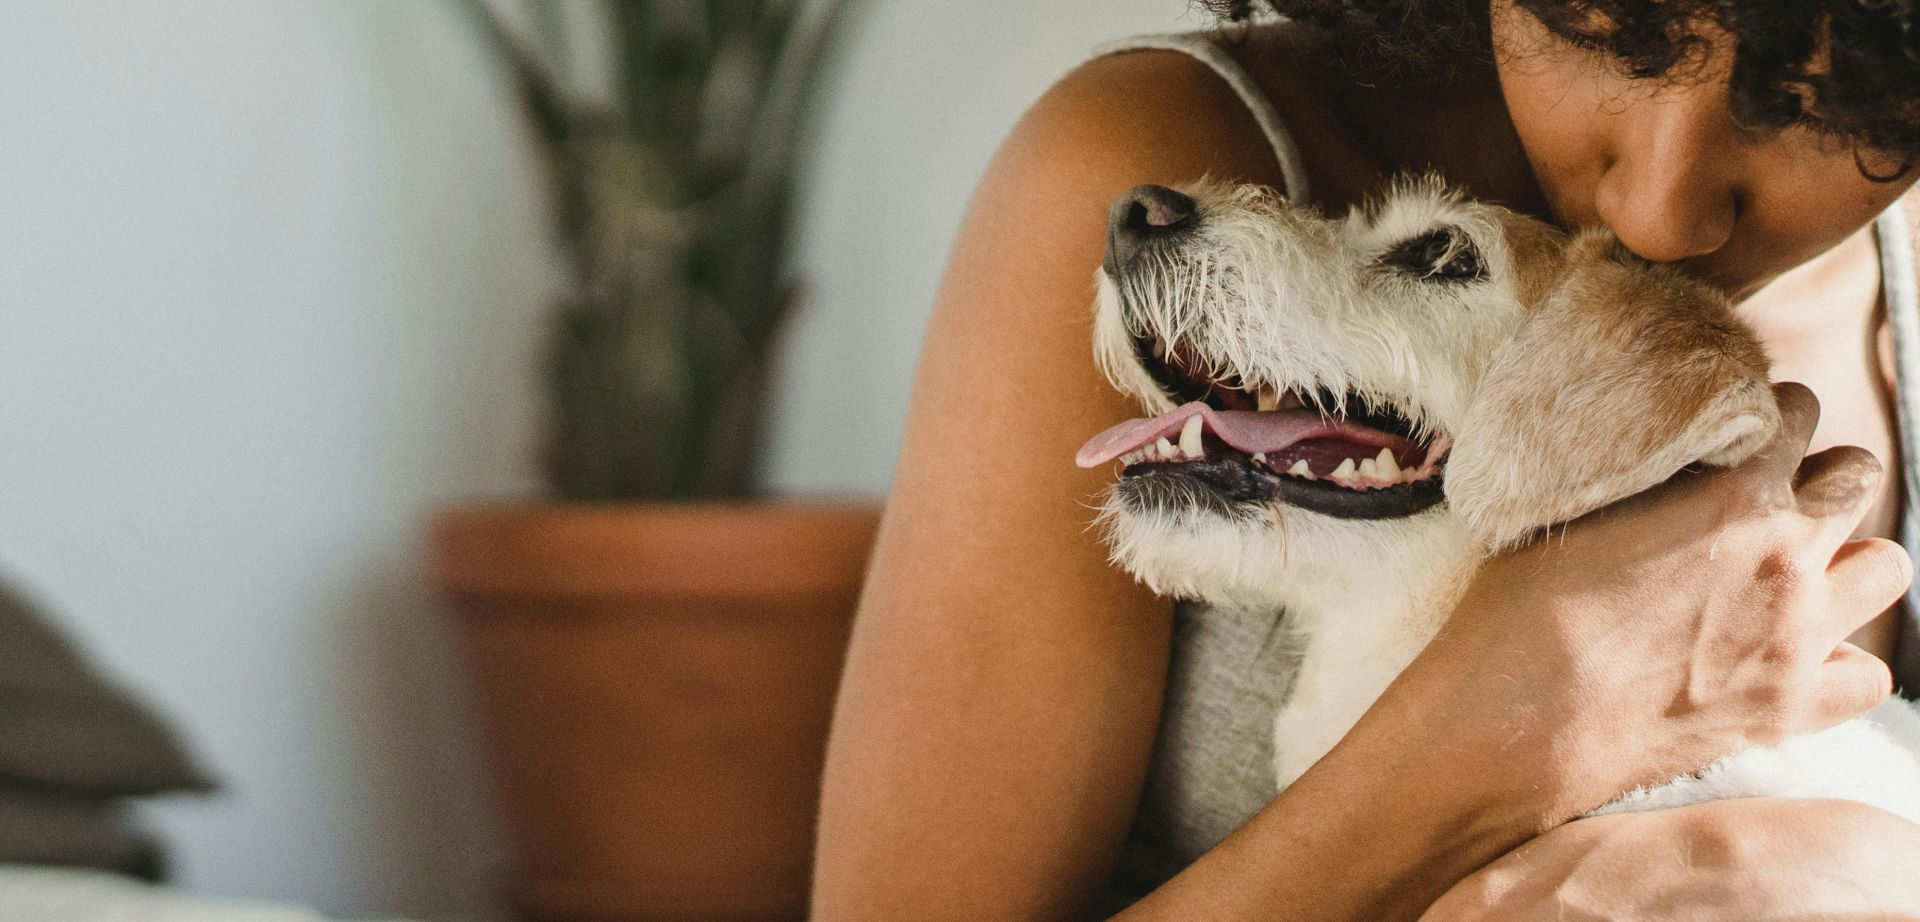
[1003, 688]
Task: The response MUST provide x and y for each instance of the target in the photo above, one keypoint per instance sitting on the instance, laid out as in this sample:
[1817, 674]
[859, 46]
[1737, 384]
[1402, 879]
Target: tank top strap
[1207, 50]
[1900, 289]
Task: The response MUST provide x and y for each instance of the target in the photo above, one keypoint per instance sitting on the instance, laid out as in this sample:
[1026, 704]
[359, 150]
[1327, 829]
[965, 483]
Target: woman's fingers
[1865, 578]
[1799, 413]
[1852, 682]
[1838, 483]
[1836, 487]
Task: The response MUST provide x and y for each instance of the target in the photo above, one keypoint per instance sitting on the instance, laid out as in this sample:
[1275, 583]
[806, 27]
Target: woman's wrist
[1377, 830]
[1428, 805]
[1402, 834]
[1509, 768]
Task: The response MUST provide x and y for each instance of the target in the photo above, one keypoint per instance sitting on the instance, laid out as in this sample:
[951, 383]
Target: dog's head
[1343, 382]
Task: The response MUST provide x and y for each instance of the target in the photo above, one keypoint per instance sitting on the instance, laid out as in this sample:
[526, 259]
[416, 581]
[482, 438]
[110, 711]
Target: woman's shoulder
[1150, 110]
[1260, 104]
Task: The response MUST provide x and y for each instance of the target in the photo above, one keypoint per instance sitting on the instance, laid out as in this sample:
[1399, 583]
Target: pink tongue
[1246, 430]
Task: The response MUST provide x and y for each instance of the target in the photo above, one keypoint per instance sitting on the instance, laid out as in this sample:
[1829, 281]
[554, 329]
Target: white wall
[270, 288]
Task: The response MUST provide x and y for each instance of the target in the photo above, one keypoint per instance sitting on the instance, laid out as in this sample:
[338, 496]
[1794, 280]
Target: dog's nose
[1144, 214]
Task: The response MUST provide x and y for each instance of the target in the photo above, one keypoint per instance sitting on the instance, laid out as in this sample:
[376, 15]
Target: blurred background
[276, 286]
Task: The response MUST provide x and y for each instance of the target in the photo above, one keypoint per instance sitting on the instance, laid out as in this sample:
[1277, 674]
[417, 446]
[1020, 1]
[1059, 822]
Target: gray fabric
[1213, 766]
[1211, 769]
[54, 827]
[1898, 288]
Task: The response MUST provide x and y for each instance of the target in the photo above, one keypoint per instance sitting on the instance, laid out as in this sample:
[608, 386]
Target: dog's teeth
[1368, 469]
[1164, 448]
[1385, 465]
[1190, 438]
[1269, 399]
[1300, 469]
[1259, 457]
[1344, 471]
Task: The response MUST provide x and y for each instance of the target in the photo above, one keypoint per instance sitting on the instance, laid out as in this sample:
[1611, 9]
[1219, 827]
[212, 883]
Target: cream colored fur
[1569, 377]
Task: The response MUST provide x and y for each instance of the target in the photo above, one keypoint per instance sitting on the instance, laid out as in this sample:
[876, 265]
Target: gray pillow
[65, 728]
[41, 826]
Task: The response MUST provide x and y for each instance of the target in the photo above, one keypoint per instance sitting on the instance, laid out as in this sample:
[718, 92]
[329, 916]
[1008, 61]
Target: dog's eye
[1445, 253]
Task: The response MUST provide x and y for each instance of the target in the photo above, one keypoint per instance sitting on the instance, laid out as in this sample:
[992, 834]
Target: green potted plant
[654, 650]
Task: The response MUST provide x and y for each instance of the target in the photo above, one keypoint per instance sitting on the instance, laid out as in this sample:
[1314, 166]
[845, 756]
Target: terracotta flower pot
[655, 683]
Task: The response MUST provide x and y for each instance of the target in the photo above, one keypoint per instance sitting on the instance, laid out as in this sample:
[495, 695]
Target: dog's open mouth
[1262, 444]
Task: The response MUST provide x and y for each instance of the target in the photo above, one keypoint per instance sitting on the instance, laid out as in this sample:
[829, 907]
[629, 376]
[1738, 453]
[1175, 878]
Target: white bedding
[44, 894]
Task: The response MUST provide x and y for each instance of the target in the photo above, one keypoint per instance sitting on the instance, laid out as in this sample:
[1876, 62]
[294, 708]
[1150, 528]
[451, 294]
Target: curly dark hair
[1849, 68]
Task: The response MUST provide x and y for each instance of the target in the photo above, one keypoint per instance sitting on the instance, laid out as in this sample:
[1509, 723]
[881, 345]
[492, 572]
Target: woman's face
[1662, 164]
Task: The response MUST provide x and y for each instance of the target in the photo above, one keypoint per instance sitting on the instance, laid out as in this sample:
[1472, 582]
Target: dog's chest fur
[1361, 603]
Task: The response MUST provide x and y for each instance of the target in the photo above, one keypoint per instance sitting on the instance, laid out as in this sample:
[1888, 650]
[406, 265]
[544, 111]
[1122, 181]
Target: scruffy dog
[1352, 413]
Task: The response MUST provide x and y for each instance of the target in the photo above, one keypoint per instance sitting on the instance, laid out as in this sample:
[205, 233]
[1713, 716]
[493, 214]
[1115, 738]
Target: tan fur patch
[1626, 372]
[1537, 256]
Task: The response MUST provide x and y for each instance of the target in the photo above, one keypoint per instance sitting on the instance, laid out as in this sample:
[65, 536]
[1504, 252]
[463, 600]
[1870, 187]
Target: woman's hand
[1648, 639]
[1727, 861]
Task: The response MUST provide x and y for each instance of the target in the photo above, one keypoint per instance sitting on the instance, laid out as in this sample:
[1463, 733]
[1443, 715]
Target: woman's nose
[1673, 190]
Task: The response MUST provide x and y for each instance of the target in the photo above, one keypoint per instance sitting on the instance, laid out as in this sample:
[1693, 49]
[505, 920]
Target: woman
[1003, 702]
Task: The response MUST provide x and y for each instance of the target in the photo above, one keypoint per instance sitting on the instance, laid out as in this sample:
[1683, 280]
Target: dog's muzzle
[1235, 443]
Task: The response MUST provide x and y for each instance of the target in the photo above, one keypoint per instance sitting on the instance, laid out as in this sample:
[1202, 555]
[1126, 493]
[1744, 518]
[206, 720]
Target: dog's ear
[1622, 373]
